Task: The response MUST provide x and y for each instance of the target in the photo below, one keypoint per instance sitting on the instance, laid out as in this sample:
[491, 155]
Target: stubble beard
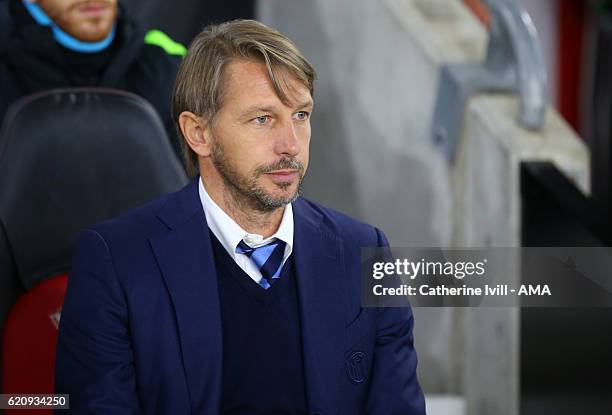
[90, 30]
[245, 191]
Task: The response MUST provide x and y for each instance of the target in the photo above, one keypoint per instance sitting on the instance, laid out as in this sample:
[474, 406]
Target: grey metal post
[514, 63]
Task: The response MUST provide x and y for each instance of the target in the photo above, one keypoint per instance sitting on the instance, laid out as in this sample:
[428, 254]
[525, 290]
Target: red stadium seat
[30, 335]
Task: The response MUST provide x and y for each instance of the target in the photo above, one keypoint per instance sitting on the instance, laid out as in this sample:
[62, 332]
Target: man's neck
[247, 217]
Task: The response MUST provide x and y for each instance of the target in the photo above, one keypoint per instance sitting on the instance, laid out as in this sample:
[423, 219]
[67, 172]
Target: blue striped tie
[268, 259]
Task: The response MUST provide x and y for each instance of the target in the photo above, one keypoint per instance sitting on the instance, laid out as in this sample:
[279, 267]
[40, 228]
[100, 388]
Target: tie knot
[268, 258]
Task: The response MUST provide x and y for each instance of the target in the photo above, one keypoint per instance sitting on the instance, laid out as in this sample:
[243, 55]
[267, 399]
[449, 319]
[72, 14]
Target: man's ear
[196, 132]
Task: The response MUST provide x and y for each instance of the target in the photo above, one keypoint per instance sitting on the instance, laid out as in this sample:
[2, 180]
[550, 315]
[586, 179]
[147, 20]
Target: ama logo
[534, 290]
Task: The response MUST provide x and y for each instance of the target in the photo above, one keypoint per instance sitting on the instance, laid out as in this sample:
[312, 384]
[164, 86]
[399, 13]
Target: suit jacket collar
[185, 258]
[181, 206]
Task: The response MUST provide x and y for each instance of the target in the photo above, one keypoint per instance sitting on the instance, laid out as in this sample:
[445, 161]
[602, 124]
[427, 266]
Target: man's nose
[288, 140]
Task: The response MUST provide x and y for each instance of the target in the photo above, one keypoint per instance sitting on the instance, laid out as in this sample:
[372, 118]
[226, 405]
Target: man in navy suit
[234, 295]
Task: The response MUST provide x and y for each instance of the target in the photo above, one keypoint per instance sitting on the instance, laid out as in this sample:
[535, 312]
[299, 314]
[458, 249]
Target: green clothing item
[158, 38]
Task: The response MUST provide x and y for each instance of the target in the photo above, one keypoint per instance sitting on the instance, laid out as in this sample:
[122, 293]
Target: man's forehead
[250, 83]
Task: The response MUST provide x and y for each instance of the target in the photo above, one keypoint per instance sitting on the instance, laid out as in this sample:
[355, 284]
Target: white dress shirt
[229, 233]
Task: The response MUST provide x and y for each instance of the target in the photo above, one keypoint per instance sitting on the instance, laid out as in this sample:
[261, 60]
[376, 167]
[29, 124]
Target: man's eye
[302, 115]
[261, 120]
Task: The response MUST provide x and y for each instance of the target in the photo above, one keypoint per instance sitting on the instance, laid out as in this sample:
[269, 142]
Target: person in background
[86, 43]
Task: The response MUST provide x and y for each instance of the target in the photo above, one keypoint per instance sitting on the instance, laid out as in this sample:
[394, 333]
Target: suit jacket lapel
[186, 261]
[320, 277]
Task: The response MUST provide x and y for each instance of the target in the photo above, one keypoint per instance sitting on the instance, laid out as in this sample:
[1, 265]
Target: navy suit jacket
[140, 330]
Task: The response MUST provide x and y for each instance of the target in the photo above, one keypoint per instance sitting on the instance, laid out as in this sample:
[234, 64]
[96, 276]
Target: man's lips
[93, 9]
[283, 175]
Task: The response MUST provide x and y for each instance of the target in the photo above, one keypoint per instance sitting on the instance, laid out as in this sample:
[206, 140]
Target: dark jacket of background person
[31, 60]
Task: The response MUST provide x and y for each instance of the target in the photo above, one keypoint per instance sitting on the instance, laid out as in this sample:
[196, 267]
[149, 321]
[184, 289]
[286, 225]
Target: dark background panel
[183, 19]
[566, 353]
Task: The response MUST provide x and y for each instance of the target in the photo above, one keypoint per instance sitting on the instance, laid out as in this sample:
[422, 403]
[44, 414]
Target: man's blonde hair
[199, 88]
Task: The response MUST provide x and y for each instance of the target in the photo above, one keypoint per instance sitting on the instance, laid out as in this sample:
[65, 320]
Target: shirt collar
[229, 233]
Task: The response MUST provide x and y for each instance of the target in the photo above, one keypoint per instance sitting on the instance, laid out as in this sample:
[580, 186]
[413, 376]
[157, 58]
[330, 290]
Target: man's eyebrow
[305, 104]
[259, 108]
